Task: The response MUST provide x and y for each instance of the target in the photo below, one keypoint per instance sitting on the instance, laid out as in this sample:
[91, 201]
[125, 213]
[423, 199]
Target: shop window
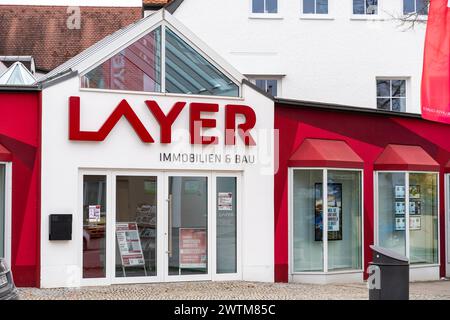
[365, 7]
[408, 215]
[315, 6]
[264, 6]
[138, 68]
[226, 222]
[188, 72]
[135, 68]
[391, 94]
[419, 7]
[136, 226]
[94, 226]
[2, 211]
[343, 229]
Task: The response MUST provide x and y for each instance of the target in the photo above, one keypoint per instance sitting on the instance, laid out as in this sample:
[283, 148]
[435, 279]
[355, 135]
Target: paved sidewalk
[229, 291]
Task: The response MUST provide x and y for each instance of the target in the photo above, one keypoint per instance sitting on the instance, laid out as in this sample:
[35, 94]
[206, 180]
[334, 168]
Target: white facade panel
[63, 159]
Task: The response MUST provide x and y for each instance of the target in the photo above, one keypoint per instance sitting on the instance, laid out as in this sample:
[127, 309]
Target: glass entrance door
[188, 227]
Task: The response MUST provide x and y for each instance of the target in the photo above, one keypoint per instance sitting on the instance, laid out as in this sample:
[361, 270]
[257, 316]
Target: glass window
[315, 6]
[265, 6]
[423, 217]
[421, 214]
[365, 6]
[269, 86]
[344, 220]
[226, 208]
[135, 68]
[189, 73]
[391, 94]
[344, 236]
[307, 238]
[415, 6]
[136, 226]
[2, 210]
[391, 211]
[94, 226]
[188, 225]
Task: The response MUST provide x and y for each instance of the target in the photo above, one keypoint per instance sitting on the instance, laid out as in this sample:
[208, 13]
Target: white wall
[62, 159]
[332, 60]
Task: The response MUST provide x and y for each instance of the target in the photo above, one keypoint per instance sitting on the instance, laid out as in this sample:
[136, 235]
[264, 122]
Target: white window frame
[318, 16]
[162, 190]
[365, 16]
[407, 94]
[324, 221]
[407, 235]
[265, 15]
[419, 16]
[278, 78]
[8, 211]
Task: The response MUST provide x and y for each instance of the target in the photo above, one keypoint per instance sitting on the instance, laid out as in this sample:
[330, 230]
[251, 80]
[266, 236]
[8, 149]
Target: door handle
[169, 218]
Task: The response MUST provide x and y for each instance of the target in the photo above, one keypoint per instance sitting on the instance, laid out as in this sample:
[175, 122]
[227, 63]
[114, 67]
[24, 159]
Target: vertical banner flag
[436, 69]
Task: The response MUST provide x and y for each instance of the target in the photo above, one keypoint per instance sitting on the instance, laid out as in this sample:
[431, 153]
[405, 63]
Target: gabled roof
[17, 74]
[42, 32]
[117, 41]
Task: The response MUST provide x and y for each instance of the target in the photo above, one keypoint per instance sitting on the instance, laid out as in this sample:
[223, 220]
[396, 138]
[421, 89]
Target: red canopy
[325, 153]
[5, 155]
[405, 158]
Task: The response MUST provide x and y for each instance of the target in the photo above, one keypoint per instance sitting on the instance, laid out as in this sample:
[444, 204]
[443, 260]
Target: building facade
[357, 53]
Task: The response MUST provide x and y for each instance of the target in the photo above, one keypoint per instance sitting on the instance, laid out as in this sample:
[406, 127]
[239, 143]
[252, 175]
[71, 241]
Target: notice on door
[193, 253]
[129, 244]
[94, 213]
[225, 201]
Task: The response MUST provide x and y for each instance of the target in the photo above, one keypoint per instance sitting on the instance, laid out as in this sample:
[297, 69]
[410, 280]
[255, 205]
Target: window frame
[406, 97]
[420, 16]
[291, 260]
[315, 15]
[278, 78]
[265, 15]
[376, 236]
[365, 15]
[8, 212]
[163, 25]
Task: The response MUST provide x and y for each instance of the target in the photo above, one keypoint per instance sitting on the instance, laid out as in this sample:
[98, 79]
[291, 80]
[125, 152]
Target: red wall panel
[20, 134]
[367, 134]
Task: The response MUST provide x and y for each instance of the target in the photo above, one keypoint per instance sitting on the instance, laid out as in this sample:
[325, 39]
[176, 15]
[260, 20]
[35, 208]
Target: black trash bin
[393, 278]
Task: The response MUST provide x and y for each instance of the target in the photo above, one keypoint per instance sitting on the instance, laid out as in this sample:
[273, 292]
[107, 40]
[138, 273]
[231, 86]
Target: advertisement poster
[400, 192]
[94, 213]
[225, 201]
[415, 223]
[399, 207]
[400, 224]
[334, 211]
[129, 244]
[193, 248]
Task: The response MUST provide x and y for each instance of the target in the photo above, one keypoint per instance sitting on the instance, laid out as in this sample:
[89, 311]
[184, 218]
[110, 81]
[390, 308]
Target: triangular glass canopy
[138, 67]
[17, 74]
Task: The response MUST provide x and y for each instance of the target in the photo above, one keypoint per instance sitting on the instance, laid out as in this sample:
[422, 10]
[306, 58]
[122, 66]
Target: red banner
[436, 68]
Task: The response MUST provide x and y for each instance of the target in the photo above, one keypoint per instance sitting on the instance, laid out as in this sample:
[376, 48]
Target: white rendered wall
[122, 149]
[333, 60]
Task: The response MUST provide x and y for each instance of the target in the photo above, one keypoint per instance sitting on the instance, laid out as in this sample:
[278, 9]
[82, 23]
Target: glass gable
[138, 68]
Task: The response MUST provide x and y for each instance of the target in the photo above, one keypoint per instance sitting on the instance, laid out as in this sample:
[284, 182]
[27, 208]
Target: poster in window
[400, 224]
[95, 213]
[415, 223]
[334, 211]
[415, 207]
[399, 207]
[400, 192]
[414, 192]
[225, 201]
[193, 248]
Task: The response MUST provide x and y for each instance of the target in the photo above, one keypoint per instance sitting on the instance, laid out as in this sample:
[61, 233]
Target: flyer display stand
[130, 248]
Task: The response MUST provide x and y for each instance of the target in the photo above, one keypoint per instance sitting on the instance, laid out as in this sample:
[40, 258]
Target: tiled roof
[42, 32]
[155, 2]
